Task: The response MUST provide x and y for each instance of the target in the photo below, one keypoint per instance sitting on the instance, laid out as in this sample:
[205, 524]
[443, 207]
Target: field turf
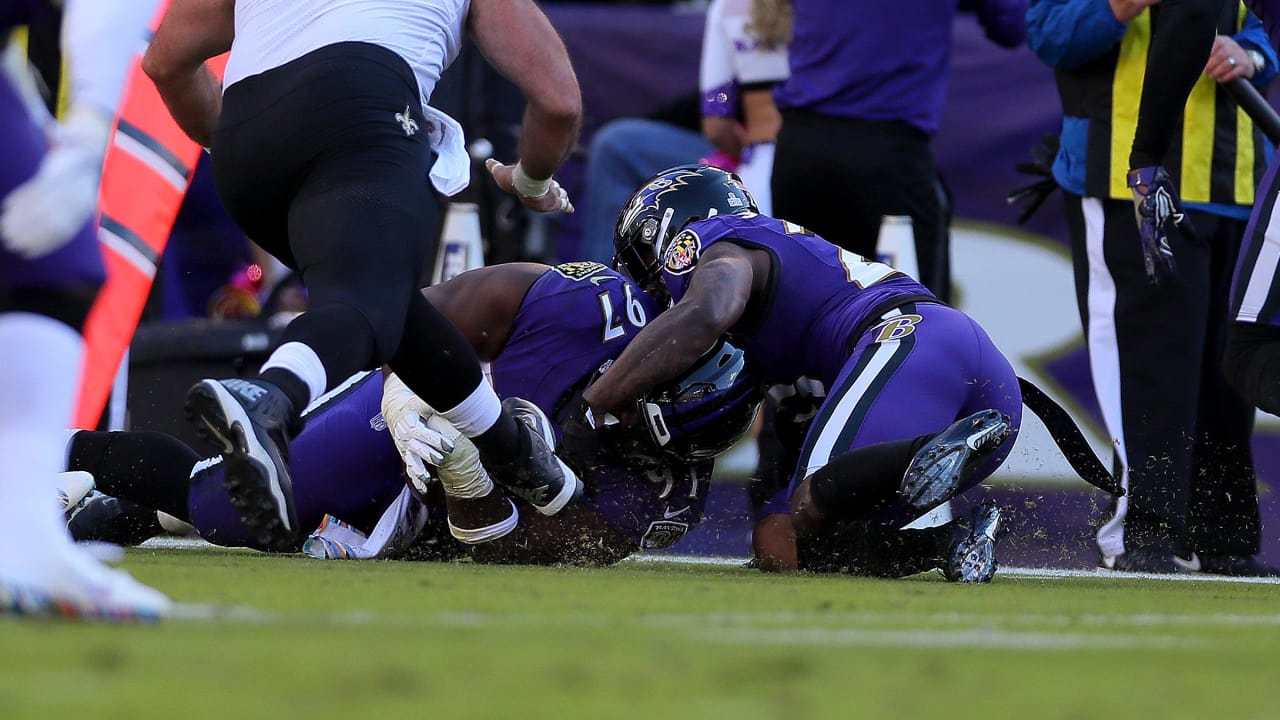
[286, 637]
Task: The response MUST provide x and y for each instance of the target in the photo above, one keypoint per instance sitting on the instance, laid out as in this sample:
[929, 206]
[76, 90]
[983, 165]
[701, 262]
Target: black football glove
[1032, 196]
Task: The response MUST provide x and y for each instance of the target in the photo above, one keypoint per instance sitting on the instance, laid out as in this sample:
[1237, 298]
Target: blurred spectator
[737, 119]
[744, 56]
[867, 84]
[622, 154]
[1182, 436]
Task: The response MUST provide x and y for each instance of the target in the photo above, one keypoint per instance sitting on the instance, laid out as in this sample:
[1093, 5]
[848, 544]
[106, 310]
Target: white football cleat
[71, 584]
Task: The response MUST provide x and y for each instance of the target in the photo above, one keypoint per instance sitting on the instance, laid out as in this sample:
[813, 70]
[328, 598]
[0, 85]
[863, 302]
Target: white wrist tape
[527, 186]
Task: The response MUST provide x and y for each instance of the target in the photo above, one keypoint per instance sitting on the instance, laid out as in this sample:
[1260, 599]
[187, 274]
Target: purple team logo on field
[680, 257]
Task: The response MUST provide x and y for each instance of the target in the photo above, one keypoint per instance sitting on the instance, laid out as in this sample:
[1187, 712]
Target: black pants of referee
[838, 177]
[1156, 355]
[323, 162]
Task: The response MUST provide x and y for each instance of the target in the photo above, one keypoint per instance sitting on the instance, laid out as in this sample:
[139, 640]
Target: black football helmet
[663, 206]
[688, 420]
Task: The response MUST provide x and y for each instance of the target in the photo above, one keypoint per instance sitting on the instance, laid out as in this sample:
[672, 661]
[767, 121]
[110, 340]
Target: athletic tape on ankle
[475, 536]
[461, 473]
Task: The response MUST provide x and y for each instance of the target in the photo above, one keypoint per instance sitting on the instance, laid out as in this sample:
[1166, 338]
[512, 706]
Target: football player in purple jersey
[545, 331]
[920, 404]
[50, 272]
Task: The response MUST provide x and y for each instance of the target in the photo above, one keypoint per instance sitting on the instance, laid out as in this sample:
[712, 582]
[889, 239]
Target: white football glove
[419, 446]
[430, 445]
[46, 211]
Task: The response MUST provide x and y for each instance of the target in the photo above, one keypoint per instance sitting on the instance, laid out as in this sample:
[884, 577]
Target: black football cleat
[1157, 560]
[111, 520]
[540, 479]
[251, 421]
[936, 471]
[972, 556]
[1236, 566]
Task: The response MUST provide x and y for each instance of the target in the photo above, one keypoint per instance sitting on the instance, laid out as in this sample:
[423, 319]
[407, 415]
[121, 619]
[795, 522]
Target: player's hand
[582, 436]
[421, 447]
[579, 442]
[552, 198]
[1041, 167]
[46, 211]
[1158, 210]
[1228, 61]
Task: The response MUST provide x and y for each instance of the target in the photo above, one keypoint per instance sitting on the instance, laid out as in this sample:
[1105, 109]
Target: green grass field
[262, 636]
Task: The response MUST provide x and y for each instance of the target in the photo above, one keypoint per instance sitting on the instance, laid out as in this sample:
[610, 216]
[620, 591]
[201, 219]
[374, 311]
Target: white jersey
[270, 33]
[427, 34]
[730, 54]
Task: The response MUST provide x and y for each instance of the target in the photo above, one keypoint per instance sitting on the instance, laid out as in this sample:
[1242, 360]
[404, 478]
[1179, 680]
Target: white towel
[451, 172]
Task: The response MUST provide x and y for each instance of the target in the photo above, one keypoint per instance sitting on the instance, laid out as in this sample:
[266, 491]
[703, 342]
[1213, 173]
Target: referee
[322, 145]
[1182, 435]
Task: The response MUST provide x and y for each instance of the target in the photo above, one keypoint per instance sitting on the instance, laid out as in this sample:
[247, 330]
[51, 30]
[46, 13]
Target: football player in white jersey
[322, 142]
[50, 271]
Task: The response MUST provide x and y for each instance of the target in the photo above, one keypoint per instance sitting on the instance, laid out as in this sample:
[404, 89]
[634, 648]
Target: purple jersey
[22, 147]
[345, 464]
[883, 61]
[821, 296]
[573, 319]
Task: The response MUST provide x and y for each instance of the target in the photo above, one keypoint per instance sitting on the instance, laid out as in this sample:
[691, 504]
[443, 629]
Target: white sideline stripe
[1002, 639]
[1017, 572]
[189, 543]
[804, 636]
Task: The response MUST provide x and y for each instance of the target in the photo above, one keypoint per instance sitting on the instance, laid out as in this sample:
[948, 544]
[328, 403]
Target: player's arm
[192, 32]
[672, 342]
[518, 39]
[773, 544]
[1180, 45]
[483, 303]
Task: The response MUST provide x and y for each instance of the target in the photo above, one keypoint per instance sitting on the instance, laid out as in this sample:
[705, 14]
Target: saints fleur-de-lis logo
[407, 123]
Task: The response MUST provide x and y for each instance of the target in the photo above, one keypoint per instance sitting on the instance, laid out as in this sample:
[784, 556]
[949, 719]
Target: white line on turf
[1018, 572]
[709, 628]
[192, 543]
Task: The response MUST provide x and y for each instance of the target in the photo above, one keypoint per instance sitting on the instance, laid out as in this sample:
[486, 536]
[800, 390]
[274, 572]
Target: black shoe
[540, 479]
[972, 556]
[252, 421]
[111, 520]
[941, 464]
[1236, 566]
[1157, 560]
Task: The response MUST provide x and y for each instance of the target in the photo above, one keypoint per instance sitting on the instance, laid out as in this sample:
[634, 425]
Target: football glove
[1157, 208]
[46, 211]
[1032, 196]
[421, 447]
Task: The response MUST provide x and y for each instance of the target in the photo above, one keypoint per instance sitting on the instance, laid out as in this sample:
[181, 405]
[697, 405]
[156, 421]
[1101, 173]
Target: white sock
[40, 362]
[301, 360]
[477, 413]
